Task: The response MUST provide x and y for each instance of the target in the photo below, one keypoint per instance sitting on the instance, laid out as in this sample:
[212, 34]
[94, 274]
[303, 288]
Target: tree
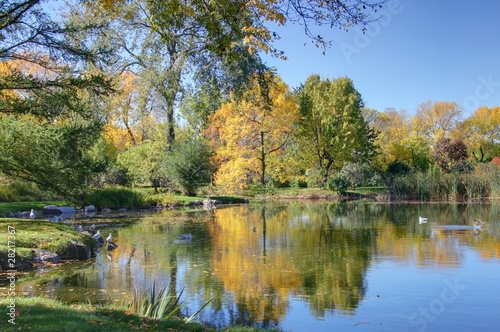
[225, 22]
[437, 120]
[250, 133]
[331, 124]
[143, 163]
[50, 99]
[481, 132]
[448, 153]
[400, 141]
[188, 164]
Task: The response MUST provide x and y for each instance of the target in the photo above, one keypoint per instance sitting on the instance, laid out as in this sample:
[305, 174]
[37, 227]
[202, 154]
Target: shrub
[360, 174]
[315, 178]
[397, 168]
[115, 198]
[338, 184]
[189, 165]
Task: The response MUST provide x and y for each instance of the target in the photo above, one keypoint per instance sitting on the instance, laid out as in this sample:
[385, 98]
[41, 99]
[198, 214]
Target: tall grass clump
[159, 304]
[436, 185]
[484, 182]
[115, 198]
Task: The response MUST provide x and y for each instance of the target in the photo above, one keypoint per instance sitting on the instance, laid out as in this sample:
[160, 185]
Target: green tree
[143, 163]
[331, 125]
[188, 164]
[50, 97]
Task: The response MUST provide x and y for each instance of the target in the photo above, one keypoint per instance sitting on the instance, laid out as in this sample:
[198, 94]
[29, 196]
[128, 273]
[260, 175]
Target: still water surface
[306, 266]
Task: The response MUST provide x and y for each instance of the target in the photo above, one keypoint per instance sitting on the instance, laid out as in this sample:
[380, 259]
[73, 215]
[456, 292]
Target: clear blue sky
[421, 50]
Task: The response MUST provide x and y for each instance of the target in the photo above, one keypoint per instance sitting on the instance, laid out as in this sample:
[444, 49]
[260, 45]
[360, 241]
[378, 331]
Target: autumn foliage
[249, 134]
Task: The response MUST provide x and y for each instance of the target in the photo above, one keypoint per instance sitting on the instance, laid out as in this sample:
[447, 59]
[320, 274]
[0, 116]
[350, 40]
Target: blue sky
[420, 50]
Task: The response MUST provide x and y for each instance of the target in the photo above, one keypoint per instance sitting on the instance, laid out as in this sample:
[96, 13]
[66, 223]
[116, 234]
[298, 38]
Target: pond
[317, 266]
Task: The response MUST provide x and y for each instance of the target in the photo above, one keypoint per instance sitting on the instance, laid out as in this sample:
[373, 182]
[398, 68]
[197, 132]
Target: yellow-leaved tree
[250, 133]
[481, 133]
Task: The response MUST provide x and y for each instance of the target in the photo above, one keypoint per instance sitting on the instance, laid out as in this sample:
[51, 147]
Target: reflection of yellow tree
[442, 251]
[254, 263]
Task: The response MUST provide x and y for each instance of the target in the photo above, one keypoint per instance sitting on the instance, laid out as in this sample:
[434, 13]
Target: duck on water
[477, 225]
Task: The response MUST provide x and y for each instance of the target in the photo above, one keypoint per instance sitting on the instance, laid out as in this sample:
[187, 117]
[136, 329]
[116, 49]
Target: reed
[435, 185]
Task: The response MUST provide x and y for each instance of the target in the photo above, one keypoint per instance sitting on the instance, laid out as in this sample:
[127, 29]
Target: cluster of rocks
[74, 250]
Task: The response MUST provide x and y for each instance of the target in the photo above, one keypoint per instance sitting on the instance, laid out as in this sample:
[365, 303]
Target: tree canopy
[50, 98]
[224, 22]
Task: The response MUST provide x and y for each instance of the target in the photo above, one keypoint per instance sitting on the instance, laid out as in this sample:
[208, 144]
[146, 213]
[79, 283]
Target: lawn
[46, 315]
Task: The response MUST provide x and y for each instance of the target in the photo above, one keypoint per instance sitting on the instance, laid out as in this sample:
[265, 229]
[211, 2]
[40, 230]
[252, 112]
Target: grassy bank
[47, 315]
[38, 234]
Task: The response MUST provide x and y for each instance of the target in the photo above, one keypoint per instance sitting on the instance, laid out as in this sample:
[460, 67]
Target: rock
[67, 209]
[90, 208]
[52, 210]
[21, 263]
[210, 204]
[25, 214]
[105, 210]
[111, 246]
[75, 250]
[44, 256]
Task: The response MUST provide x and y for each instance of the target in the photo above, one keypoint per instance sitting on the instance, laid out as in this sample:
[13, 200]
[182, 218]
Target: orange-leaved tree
[249, 133]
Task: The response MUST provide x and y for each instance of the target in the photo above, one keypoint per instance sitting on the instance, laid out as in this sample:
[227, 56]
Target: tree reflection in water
[256, 260]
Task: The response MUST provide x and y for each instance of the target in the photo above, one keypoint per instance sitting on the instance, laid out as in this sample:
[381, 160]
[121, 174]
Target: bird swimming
[187, 236]
[422, 220]
[478, 223]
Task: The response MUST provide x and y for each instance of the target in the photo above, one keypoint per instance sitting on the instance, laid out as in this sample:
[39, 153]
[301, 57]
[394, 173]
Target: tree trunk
[262, 160]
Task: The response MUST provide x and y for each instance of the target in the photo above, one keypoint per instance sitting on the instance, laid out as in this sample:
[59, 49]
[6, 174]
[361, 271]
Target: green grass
[31, 234]
[6, 207]
[47, 315]
[369, 190]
